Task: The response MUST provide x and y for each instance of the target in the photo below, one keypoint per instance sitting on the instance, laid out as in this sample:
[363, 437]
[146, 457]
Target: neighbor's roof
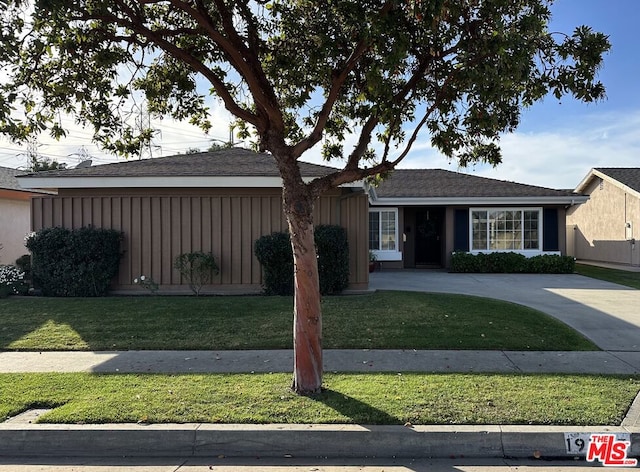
[233, 167]
[626, 178]
[8, 180]
[438, 186]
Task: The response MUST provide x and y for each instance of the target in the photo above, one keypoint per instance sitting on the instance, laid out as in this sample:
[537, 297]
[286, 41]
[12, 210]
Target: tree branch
[249, 66]
[181, 55]
[334, 93]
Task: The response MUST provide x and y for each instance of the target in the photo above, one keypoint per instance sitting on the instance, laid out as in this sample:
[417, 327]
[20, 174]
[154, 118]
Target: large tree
[296, 74]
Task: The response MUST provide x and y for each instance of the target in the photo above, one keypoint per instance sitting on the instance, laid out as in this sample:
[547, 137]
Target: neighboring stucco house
[223, 201]
[15, 222]
[418, 217]
[605, 228]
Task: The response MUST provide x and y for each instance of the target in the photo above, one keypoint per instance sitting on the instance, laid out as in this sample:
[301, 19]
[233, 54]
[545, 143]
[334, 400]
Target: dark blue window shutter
[461, 230]
[550, 230]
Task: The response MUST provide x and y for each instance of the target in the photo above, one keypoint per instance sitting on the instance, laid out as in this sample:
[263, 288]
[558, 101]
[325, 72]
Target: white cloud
[561, 158]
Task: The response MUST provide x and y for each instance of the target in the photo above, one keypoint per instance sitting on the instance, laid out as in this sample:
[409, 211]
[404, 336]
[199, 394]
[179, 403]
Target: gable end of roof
[625, 178]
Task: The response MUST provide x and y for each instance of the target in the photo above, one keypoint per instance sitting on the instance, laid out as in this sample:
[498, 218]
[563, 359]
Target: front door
[429, 237]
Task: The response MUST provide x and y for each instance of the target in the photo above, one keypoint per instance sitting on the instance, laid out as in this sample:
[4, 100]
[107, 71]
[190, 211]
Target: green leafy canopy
[295, 73]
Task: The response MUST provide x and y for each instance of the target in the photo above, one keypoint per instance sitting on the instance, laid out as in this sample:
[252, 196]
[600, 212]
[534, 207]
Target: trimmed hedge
[74, 263]
[274, 253]
[511, 263]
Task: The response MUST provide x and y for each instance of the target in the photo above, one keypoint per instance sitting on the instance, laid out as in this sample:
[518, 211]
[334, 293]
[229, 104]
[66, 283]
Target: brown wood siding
[354, 216]
[159, 226]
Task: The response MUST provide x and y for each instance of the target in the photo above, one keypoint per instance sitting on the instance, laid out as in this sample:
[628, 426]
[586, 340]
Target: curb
[303, 441]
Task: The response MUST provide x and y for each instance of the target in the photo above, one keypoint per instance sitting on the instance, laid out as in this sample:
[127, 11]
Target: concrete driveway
[607, 314]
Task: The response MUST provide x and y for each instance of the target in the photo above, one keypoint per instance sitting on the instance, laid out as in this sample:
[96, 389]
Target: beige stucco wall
[14, 225]
[598, 225]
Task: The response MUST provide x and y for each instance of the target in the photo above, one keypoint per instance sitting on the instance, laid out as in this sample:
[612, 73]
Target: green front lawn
[622, 277]
[348, 398]
[383, 320]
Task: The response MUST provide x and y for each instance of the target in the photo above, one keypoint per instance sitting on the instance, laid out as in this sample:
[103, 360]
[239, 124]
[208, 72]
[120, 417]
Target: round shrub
[74, 263]
[275, 255]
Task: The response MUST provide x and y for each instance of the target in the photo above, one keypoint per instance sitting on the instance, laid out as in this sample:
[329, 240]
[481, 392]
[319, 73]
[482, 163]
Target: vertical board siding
[166, 232]
[225, 239]
[156, 229]
[353, 217]
[245, 237]
[216, 234]
[47, 214]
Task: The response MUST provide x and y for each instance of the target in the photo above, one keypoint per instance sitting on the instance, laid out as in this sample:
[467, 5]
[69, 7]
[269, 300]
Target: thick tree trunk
[307, 318]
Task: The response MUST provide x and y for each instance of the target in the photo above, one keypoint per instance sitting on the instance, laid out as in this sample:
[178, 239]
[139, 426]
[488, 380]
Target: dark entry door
[429, 237]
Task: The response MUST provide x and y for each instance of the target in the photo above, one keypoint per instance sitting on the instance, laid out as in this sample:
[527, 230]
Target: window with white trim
[383, 229]
[506, 229]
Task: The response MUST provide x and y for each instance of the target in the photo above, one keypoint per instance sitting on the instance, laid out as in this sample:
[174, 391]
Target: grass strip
[382, 320]
[622, 277]
[347, 398]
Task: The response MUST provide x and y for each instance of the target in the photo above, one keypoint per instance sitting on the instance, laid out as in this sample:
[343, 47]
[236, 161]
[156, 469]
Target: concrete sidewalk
[335, 360]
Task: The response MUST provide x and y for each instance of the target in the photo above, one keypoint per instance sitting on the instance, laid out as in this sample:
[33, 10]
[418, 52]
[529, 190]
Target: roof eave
[479, 201]
[57, 182]
[584, 183]
[596, 173]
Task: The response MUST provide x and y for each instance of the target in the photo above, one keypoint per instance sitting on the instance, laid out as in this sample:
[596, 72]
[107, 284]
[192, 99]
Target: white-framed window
[383, 229]
[505, 229]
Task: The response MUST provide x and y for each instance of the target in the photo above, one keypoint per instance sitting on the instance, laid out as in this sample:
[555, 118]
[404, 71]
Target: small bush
[511, 262]
[198, 268]
[274, 254]
[74, 263]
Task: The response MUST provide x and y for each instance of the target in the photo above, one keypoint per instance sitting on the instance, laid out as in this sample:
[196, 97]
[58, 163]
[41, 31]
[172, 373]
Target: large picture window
[506, 229]
[383, 229]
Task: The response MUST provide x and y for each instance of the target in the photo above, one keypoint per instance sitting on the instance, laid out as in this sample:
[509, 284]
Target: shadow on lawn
[67, 324]
[147, 323]
[358, 411]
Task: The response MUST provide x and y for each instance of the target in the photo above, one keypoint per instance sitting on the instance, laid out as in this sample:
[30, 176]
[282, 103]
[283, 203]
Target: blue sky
[555, 145]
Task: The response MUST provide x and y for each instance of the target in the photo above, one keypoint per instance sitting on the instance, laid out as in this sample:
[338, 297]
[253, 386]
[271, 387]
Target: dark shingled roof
[629, 176]
[426, 183]
[232, 162]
